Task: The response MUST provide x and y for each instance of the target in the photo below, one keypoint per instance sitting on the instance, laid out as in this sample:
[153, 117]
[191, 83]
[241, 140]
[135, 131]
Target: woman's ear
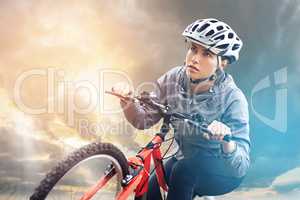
[224, 63]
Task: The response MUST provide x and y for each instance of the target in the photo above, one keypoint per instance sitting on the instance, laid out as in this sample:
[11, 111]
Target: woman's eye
[193, 49]
[206, 53]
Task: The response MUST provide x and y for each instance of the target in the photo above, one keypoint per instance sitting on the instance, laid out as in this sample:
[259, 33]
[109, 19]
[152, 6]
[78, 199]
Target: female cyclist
[205, 165]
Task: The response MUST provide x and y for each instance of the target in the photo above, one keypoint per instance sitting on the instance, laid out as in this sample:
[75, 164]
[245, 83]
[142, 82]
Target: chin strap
[201, 80]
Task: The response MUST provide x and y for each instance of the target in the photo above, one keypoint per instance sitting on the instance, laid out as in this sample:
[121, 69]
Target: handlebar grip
[226, 138]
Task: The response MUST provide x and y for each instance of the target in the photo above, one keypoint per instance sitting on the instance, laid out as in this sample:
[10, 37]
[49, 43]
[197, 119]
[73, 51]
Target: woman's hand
[122, 88]
[219, 130]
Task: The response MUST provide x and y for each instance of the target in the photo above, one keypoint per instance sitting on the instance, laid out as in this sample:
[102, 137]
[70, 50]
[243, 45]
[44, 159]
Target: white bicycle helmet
[216, 36]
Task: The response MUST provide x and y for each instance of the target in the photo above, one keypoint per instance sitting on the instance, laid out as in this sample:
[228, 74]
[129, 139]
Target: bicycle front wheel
[81, 170]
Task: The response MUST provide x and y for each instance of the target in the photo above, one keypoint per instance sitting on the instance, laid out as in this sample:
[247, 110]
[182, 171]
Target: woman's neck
[201, 87]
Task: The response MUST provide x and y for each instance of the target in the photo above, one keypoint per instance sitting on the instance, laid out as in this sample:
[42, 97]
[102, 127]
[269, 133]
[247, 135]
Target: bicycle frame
[138, 181]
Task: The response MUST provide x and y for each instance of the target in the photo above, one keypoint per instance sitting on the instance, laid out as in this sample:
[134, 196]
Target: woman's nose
[196, 59]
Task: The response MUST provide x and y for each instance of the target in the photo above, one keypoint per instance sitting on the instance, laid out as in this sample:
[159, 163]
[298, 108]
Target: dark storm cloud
[18, 162]
[263, 25]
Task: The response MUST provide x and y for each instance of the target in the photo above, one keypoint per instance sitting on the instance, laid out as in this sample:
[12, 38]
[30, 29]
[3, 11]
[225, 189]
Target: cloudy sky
[47, 47]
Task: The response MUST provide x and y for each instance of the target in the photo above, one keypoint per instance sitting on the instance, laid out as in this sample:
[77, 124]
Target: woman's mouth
[193, 68]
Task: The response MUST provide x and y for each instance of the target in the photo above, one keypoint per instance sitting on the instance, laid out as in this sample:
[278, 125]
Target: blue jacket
[224, 102]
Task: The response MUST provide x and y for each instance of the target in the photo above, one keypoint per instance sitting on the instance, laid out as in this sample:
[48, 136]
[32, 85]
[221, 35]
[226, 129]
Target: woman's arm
[143, 117]
[236, 117]
[139, 116]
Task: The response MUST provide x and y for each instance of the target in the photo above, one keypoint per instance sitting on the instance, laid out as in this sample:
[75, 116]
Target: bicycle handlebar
[165, 111]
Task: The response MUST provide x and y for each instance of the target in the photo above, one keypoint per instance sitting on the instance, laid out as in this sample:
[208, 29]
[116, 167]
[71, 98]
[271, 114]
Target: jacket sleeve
[142, 117]
[236, 116]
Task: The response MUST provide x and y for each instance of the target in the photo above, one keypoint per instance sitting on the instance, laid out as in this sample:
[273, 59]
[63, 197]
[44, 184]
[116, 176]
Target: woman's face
[200, 63]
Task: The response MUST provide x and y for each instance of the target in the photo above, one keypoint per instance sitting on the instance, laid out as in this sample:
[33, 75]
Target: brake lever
[123, 98]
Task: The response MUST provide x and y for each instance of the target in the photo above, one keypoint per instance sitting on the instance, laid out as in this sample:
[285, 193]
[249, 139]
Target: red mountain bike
[119, 178]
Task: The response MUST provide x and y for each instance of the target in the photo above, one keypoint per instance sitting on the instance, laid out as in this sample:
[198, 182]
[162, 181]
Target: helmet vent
[222, 46]
[210, 33]
[220, 28]
[202, 28]
[235, 47]
[221, 37]
[194, 28]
